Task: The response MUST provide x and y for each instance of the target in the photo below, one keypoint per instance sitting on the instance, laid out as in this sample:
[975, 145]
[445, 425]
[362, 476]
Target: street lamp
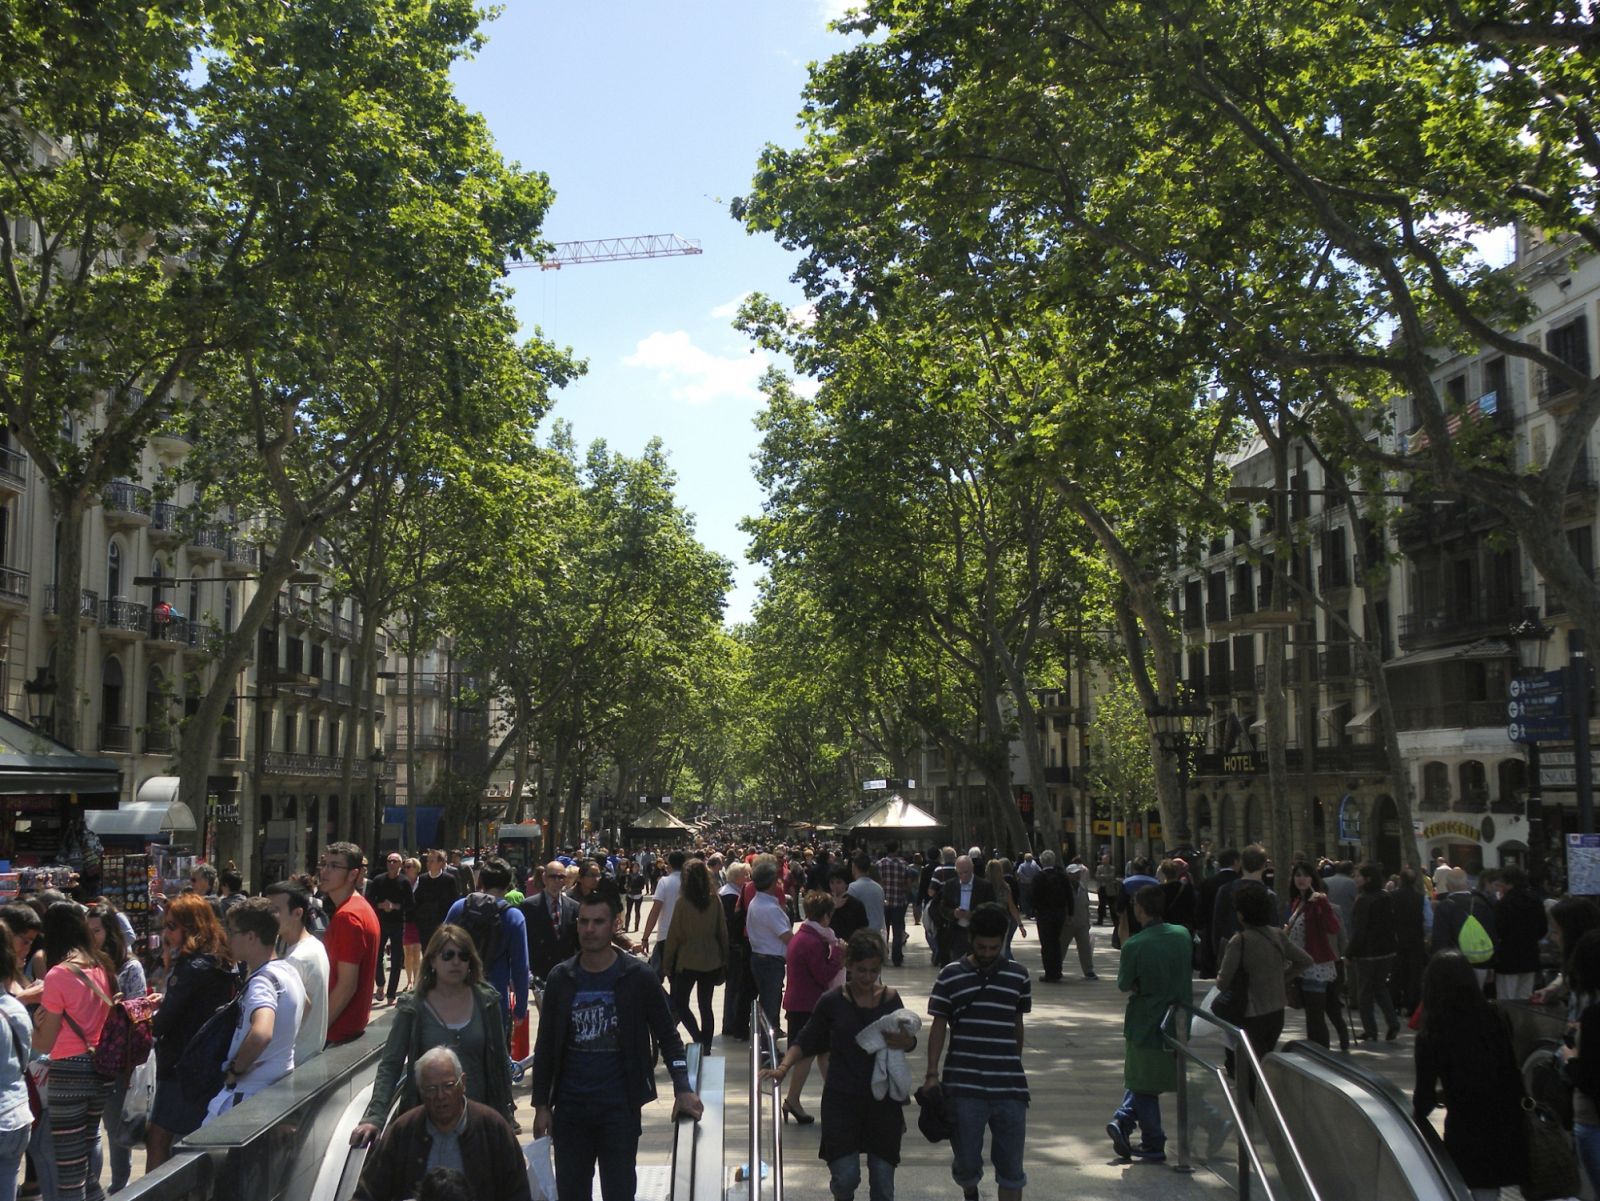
[1180, 731]
[375, 760]
[1533, 638]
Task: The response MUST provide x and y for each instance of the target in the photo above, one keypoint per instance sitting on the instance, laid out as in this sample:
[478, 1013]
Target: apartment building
[1441, 626]
[147, 652]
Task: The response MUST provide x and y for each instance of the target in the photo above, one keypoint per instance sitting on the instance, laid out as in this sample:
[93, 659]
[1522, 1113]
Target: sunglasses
[450, 955]
[169, 925]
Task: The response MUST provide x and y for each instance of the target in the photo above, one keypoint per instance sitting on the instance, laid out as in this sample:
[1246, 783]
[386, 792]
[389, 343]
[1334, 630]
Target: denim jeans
[895, 916]
[1145, 1110]
[593, 1130]
[1006, 1119]
[844, 1177]
[768, 971]
[13, 1143]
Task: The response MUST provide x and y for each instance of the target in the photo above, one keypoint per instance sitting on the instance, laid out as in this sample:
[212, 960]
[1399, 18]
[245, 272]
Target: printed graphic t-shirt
[593, 1052]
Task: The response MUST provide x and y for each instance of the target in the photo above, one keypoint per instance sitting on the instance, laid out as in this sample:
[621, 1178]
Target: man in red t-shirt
[351, 942]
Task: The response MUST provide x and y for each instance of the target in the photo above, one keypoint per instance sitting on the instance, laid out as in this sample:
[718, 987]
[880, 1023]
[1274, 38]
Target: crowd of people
[586, 968]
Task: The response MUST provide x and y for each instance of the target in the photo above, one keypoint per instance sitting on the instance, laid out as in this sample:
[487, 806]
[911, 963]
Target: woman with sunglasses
[200, 980]
[451, 1007]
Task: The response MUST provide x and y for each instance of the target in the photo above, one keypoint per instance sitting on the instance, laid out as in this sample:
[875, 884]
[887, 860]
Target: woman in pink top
[77, 997]
[815, 963]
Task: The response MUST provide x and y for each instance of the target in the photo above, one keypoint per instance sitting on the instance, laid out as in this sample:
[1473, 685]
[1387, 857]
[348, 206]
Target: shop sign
[1025, 807]
[1100, 827]
[1241, 763]
[1349, 820]
[29, 804]
[1465, 831]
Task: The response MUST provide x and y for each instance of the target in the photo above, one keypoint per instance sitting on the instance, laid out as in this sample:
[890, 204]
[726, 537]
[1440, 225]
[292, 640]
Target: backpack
[200, 1067]
[482, 916]
[1475, 942]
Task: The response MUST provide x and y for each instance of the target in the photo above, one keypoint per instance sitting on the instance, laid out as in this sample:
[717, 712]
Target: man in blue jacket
[601, 1009]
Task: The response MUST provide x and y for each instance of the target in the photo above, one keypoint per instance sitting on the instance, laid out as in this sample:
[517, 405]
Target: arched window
[193, 611]
[113, 570]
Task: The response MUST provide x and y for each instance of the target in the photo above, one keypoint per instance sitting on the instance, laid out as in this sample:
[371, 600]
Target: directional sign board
[1539, 730]
[1536, 697]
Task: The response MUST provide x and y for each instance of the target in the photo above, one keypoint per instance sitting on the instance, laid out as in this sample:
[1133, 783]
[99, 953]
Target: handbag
[1233, 1001]
[541, 1169]
[127, 1035]
[1552, 1161]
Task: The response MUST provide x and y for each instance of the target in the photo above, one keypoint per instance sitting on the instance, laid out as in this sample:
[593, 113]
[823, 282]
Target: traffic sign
[1567, 759]
[1539, 729]
[1545, 705]
[1524, 687]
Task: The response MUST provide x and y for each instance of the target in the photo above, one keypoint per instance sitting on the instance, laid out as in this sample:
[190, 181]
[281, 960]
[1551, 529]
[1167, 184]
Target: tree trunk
[200, 732]
[1046, 817]
[69, 508]
[519, 759]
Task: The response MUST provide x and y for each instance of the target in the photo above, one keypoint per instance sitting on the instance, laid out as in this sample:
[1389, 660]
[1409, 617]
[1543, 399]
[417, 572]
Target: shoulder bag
[127, 1036]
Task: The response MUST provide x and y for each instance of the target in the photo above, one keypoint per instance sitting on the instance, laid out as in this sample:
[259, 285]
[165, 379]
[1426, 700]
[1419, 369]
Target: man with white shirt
[262, 1050]
[297, 945]
[661, 906]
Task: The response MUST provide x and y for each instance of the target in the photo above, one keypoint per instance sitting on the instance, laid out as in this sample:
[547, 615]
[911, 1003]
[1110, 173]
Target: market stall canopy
[658, 819]
[891, 815]
[32, 763]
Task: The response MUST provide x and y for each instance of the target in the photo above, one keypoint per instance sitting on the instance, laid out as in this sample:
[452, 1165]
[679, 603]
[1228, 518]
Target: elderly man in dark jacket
[1052, 906]
[446, 1131]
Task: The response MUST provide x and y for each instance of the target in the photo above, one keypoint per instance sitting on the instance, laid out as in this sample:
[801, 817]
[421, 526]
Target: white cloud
[724, 311]
[693, 374]
[832, 10]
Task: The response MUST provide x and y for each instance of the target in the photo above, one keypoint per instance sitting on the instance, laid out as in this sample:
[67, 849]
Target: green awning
[34, 763]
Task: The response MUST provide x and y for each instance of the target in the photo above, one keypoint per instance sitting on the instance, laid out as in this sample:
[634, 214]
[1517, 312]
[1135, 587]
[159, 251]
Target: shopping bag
[541, 1170]
[141, 1092]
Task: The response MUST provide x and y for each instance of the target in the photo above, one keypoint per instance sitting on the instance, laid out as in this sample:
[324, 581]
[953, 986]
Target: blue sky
[648, 118]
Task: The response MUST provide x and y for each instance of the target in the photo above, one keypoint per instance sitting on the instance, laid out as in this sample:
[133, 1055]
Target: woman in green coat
[451, 1007]
[1156, 973]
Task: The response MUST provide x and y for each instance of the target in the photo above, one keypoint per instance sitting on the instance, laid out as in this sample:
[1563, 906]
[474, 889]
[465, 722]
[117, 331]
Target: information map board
[1583, 865]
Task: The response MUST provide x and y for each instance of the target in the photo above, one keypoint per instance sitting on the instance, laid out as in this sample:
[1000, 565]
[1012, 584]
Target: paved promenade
[1073, 1059]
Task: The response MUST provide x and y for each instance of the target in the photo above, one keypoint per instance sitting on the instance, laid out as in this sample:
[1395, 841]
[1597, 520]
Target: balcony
[1335, 663]
[1435, 798]
[126, 504]
[208, 542]
[1217, 682]
[88, 605]
[158, 740]
[1356, 758]
[1242, 681]
[1554, 391]
[240, 558]
[13, 471]
[1333, 575]
[1242, 604]
[173, 634]
[166, 523]
[116, 739]
[228, 746]
[124, 619]
[1464, 620]
[174, 435]
[1453, 715]
[1472, 800]
[13, 588]
[1193, 619]
[1217, 611]
[317, 767]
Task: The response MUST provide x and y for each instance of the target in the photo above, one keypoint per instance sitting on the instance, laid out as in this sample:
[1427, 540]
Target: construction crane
[612, 250]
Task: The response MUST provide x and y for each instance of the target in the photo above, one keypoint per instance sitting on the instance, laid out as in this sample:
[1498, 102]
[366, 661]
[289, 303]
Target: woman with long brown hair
[200, 980]
[451, 1007]
[695, 955]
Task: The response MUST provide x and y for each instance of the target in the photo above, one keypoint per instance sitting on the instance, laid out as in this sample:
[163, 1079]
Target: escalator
[1303, 1124]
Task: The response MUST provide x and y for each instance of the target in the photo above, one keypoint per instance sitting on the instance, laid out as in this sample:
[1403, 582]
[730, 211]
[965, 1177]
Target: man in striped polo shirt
[977, 1006]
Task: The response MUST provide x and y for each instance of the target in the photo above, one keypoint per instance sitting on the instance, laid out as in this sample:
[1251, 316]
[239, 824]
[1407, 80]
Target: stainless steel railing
[764, 1052]
[1247, 1095]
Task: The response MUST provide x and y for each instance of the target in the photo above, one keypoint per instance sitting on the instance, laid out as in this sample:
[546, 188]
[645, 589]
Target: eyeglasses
[440, 1090]
[450, 955]
[324, 866]
[555, 875]
[169, 925]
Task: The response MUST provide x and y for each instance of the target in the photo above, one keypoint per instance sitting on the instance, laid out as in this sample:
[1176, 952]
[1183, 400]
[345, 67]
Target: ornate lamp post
[1180, 731]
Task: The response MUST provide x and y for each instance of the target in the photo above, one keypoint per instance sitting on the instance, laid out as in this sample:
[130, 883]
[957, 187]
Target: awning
[1260, 723]
[1360, 720]
[894, 812]
[1486, 648]
[656, 818]
[141, 819]
[32, 763]
[1330, 713]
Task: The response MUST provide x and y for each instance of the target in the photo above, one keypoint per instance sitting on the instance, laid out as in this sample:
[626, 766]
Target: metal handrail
[763, 1038]
[1241, 1044]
